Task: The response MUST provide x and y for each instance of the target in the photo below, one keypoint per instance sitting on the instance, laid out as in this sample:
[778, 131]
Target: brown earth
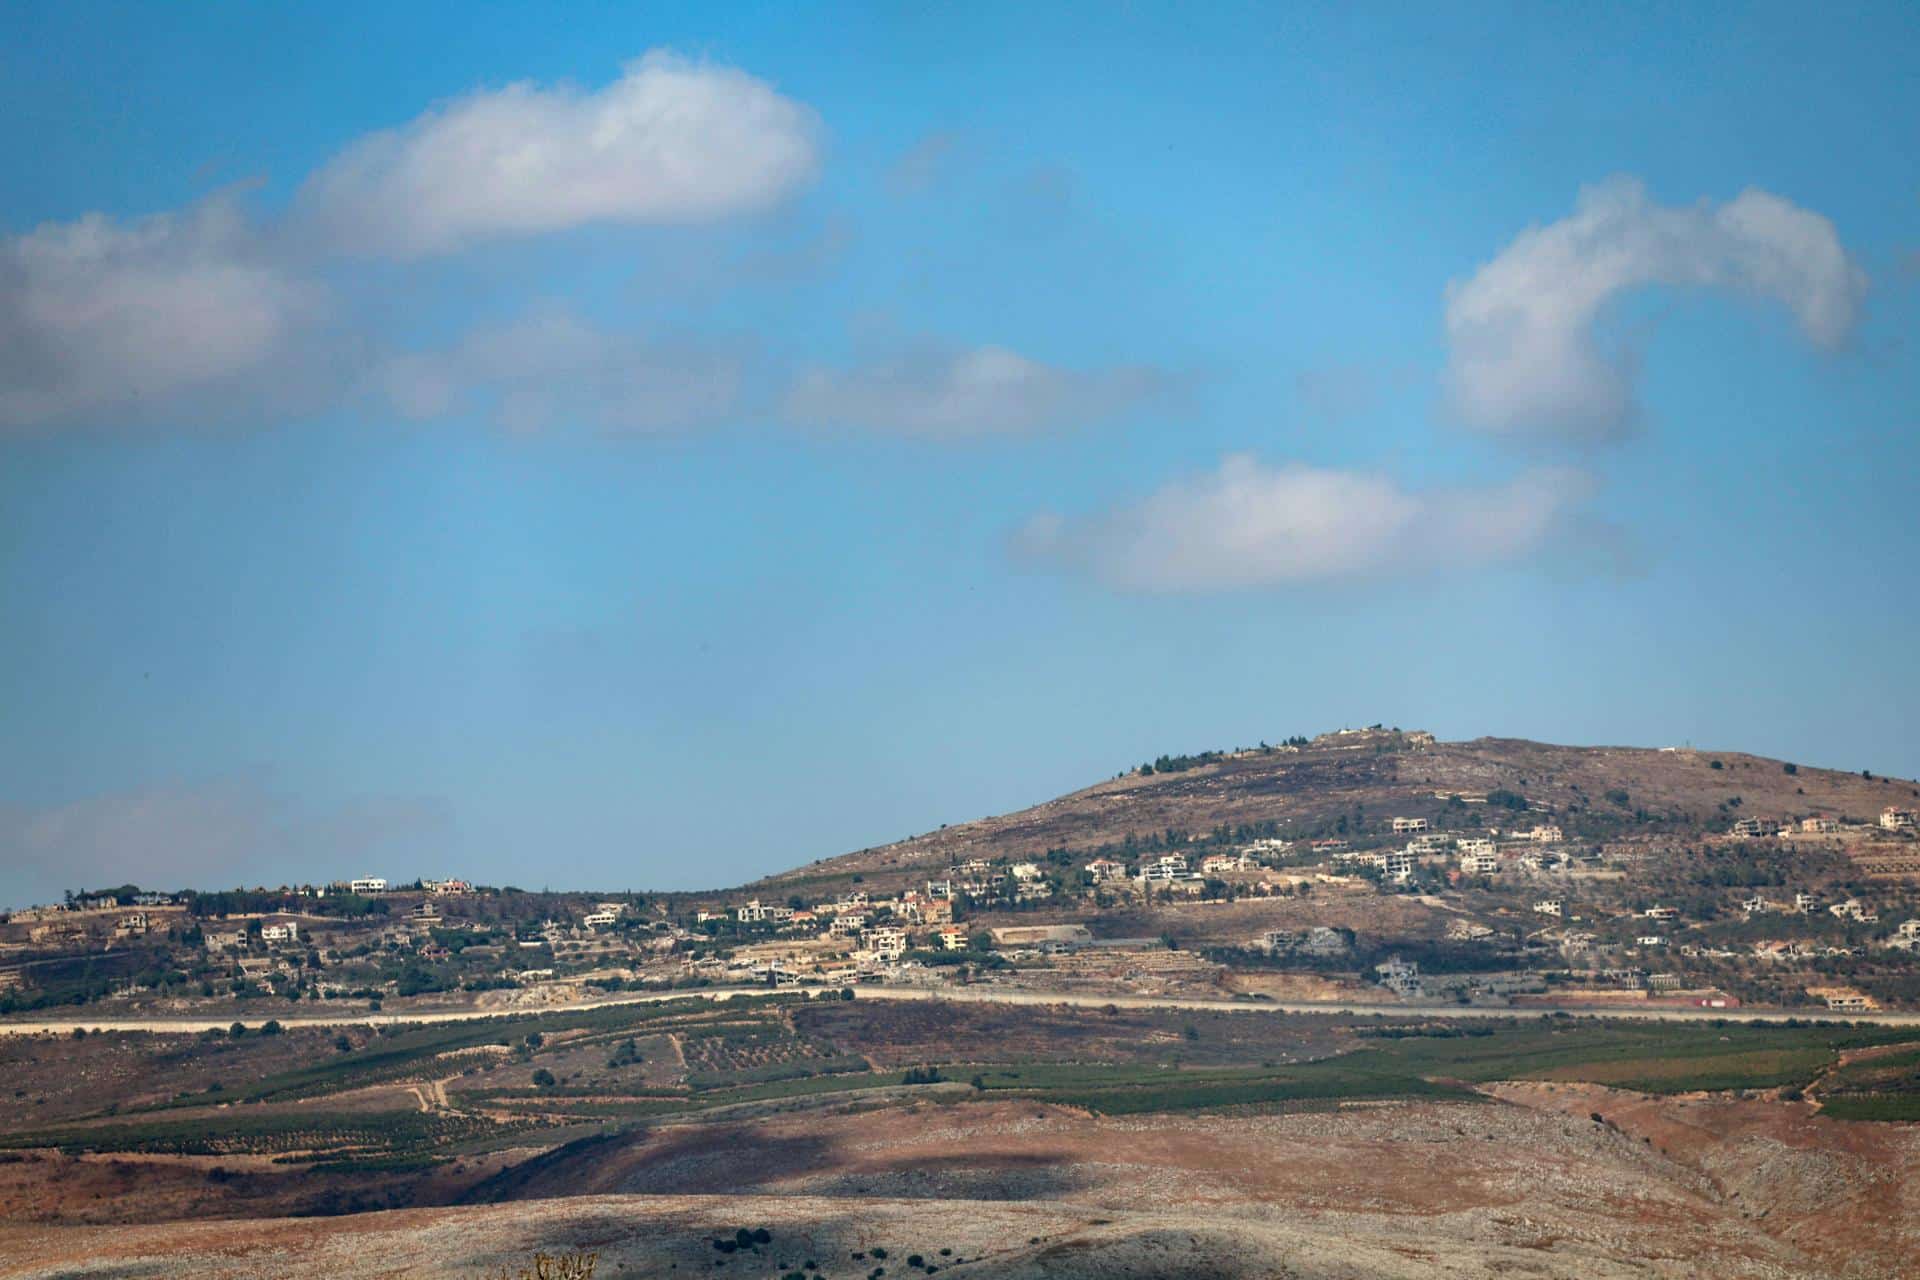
[1319, 784]
[1531, 1184]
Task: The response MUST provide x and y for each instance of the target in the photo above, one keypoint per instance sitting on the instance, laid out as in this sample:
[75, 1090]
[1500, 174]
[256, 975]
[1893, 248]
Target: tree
[543, 1078]
[271, 1027]
[237, 1030]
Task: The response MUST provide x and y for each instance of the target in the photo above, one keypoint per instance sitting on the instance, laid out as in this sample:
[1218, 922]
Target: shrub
[271, 1027]
[237, 1030]
[543, 1078]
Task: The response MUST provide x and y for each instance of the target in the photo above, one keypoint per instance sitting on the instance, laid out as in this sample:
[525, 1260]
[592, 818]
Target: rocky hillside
[1368, 776]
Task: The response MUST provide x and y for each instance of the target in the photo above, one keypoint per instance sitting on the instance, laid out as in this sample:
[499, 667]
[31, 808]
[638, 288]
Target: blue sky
[659, 448]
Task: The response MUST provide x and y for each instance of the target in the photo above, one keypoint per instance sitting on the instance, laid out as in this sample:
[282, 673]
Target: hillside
[1306, 791]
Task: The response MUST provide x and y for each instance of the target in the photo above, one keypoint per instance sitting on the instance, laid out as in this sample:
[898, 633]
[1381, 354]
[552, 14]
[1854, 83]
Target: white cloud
[1523, 356]
[978, 392]
[551, 369]
[1248, 525]
[671, 141]
[104, 317]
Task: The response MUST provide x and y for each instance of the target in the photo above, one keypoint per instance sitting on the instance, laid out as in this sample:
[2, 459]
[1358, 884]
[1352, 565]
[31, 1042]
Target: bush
[271, 1027]
[543, 1078]
[237, 1030]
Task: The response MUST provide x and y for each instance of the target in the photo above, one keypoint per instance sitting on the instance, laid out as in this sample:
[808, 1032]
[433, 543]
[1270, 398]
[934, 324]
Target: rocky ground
[1540, 1180]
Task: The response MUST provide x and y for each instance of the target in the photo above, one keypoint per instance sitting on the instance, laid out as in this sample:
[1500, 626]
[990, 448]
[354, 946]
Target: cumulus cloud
[130, 318]
[1250, 525]
[982, 391]
[552, 369]
[1523, 357]
[671, 141]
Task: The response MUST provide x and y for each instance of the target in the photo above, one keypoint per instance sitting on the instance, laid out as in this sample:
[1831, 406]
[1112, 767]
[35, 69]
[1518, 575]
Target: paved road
[979, 995]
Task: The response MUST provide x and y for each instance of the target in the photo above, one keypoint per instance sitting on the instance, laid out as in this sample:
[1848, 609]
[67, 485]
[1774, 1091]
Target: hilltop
[1307, 789]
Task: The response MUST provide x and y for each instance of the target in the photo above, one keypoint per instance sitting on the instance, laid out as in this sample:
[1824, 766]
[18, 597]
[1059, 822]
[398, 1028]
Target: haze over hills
[1309, 787]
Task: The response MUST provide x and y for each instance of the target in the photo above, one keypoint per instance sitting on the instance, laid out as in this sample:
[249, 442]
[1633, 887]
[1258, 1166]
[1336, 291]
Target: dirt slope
[1319, 784]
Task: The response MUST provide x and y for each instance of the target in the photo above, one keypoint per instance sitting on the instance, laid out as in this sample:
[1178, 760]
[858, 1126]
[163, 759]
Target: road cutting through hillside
[982, 995]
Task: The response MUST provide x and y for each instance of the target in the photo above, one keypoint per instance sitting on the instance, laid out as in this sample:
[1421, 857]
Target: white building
[887, 943]
[1106, 870]
[1550, 907]
[286, 931]
[1480, 864]
[1545, 835]
[601, 919]
[1166, 869]
[753, 912]
[1899, 819]
[1397, 864]
[369, 884]
[1402, 826]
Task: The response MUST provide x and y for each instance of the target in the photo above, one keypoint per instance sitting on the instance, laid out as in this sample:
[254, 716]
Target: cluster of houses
[880, 929]
[1478, 855]
[1892, 819]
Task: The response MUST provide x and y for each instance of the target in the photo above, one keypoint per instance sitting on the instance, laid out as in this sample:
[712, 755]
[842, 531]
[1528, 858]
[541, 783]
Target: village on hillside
[1485, 898]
